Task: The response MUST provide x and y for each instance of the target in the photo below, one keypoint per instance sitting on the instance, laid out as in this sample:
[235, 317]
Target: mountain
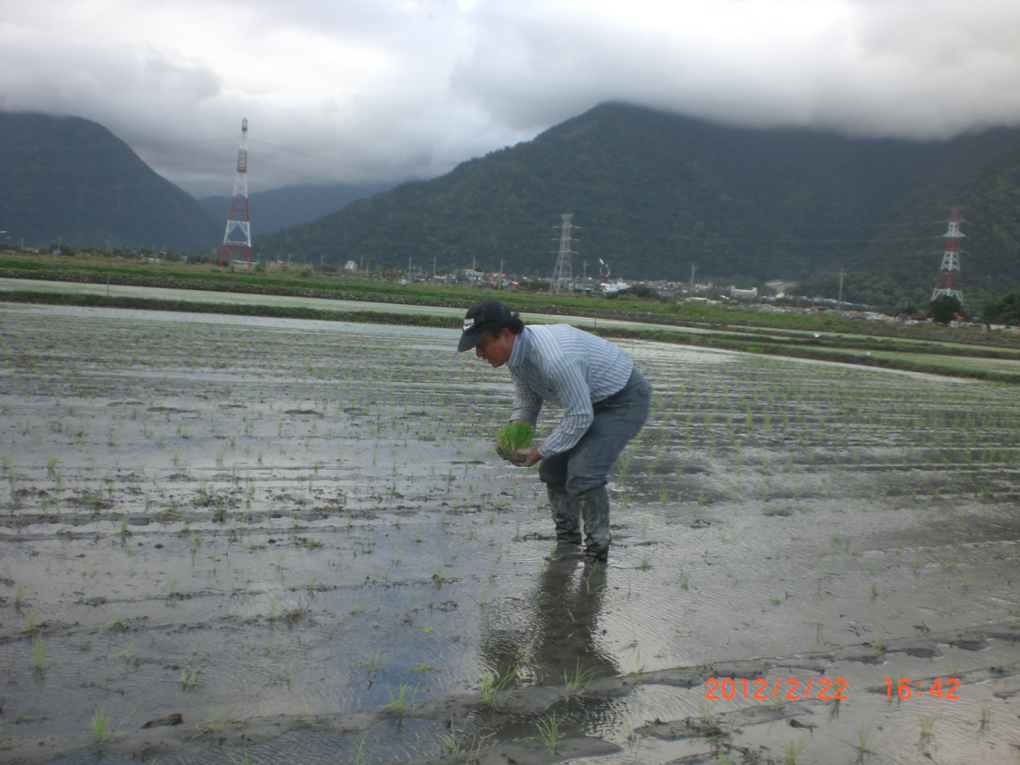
[910, 251]
[71, 178]
[278, 208]
[655, 192]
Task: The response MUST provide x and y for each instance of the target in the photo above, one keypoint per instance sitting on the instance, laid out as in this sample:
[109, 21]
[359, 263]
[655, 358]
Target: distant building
[695, 288]
[780, 286]
[740, 294]
[609, 288]
[350, 265]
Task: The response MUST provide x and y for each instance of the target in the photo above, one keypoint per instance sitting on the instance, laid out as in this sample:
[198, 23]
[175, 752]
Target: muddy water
[296, 535]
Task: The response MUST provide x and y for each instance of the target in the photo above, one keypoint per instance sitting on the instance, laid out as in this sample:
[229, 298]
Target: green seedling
[374, 663]
[987, 710]
[487, 686]
[548, 732]
[705, 709]
[39, 651]
[245, 760]
[576, 684]
[793, 750]
[128, 650]
[219, 716]
[397, 702]
[30, 625]
[454, 746]
[878, 642]
[189, 679]
[633, 732]
[863, 738]
[360, 756]
[928, 726]
[101, 725]
[514, 436]
[115, 622]
[1004, 664]
[639, 675]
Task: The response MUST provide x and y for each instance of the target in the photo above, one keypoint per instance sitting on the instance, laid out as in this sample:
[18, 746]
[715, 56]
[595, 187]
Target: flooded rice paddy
[289, 301]
[292, 542]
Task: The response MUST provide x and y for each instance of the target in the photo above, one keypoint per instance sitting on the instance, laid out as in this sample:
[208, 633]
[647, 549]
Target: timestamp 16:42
[904, 690]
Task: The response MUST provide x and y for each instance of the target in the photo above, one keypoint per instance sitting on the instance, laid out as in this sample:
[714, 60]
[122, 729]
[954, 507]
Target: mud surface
[297, 537]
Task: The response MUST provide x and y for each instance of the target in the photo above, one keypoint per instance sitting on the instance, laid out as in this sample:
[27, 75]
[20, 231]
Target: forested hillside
[655, 192]
[71, 178]
[989, 187]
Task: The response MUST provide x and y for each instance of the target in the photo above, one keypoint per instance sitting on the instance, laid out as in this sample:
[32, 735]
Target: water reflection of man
[554, 633]
[605, 401]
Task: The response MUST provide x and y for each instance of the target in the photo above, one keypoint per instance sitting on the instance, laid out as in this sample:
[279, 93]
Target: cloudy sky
[384, 90]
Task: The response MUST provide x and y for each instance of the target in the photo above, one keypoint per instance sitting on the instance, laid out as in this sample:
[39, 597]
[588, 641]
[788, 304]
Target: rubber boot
[566, 515]
[595, 511]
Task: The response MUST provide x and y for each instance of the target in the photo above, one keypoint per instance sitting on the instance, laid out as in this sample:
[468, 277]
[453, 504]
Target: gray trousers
[575, 478]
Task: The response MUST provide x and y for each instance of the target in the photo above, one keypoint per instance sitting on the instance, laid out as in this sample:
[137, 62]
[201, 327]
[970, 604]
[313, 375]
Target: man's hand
[531, 456]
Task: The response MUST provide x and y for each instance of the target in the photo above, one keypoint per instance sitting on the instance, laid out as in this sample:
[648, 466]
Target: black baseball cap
[483, 317]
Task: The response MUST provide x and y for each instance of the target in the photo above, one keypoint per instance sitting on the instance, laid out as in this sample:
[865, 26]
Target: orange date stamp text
[789, 689]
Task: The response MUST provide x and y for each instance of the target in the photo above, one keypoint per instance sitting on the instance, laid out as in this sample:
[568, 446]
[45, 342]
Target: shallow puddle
[297, 536]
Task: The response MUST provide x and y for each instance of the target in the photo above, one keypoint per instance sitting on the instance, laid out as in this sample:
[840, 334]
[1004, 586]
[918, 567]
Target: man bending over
[605, 401]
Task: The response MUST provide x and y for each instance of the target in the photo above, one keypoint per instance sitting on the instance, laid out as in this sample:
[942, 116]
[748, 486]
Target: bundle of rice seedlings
[514, 436]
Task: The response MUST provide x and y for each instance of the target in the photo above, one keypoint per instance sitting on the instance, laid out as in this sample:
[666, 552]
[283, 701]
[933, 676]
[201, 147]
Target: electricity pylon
[949, 273]
[563, 279]
[237, 216]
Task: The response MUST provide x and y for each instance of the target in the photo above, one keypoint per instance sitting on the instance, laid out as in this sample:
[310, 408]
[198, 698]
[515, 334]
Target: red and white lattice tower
[949, 273]
[237, 217]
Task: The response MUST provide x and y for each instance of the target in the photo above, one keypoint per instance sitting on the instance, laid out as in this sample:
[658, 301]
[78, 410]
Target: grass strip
[751, 344]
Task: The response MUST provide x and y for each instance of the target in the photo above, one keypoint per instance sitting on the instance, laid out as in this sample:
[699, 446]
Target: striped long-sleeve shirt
[569, 368]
